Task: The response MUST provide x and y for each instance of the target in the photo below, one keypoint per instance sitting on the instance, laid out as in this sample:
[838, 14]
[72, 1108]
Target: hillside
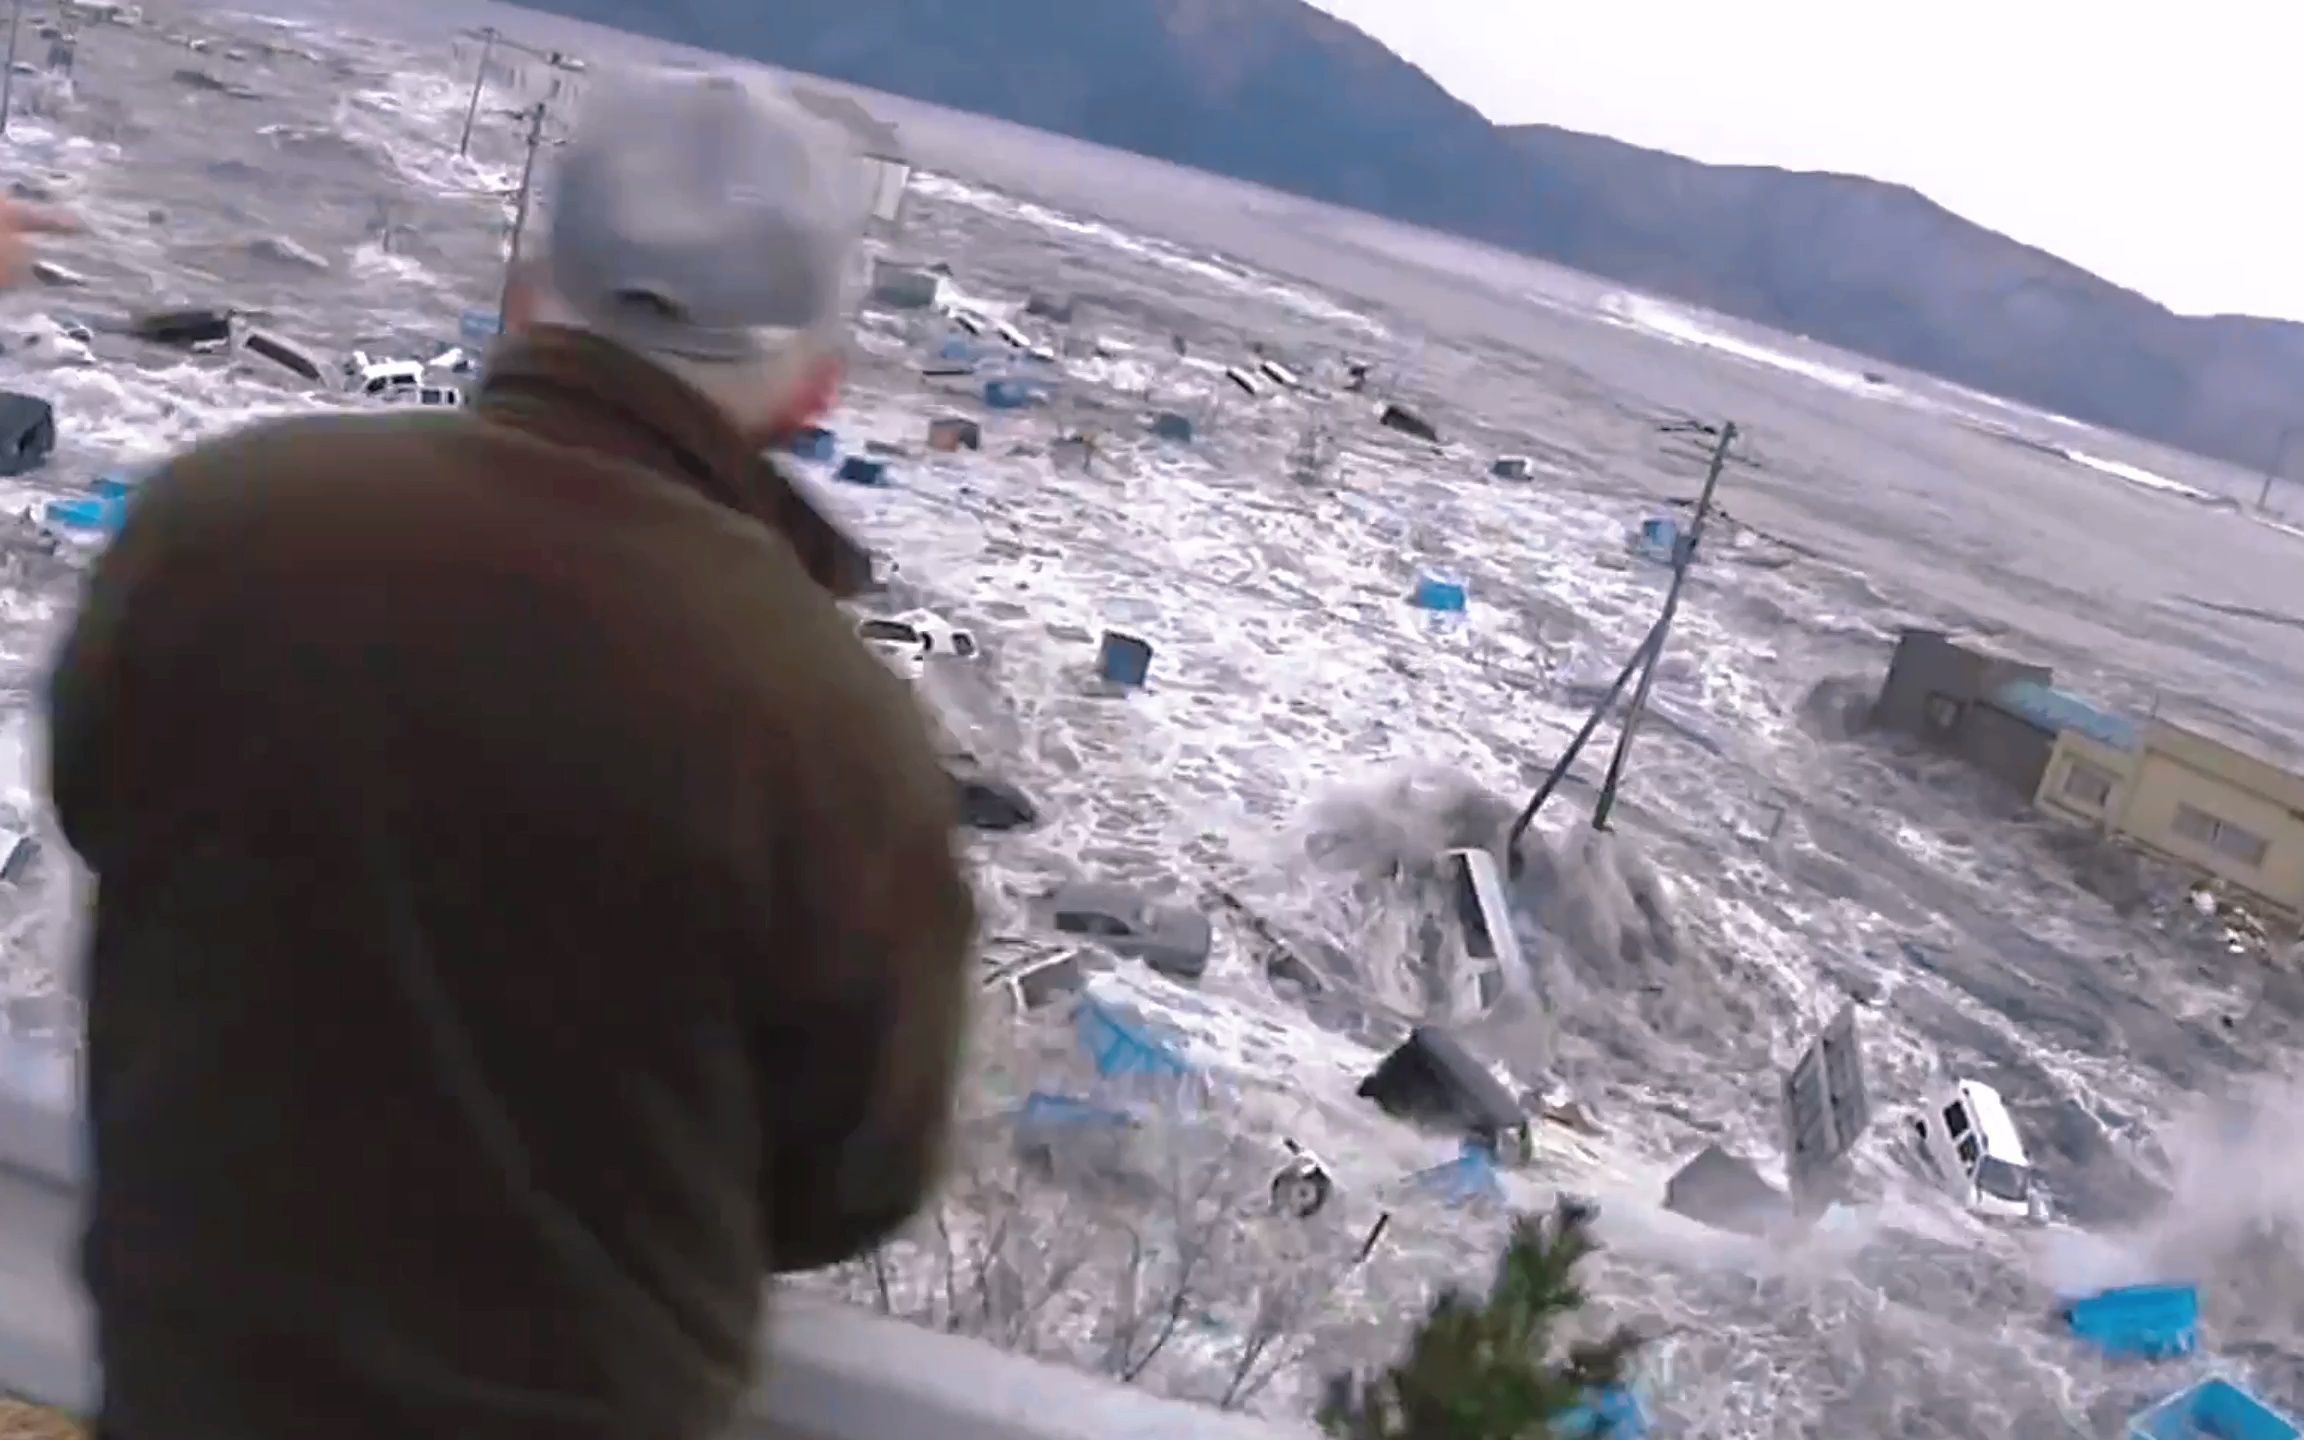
[1280, 93]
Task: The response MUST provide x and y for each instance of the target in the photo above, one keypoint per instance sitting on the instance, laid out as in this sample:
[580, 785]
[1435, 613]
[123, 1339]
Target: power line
[491, 40]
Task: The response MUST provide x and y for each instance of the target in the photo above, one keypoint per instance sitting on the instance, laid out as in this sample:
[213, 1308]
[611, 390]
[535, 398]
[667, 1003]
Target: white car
[907, 642]
[1472, 957]
[1302, 1184]
[1970, 1142]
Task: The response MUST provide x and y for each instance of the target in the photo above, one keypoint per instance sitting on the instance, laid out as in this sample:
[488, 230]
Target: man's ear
[812, 400]
[521, 288]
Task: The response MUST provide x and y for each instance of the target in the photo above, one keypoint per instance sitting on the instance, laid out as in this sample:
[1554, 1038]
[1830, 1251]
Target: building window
[2221, 836]
[2088, 785]
[1943, 714]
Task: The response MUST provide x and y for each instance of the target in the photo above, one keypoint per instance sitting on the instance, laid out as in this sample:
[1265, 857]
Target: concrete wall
[1928, 667]
[833, 1373]
[2011, 750]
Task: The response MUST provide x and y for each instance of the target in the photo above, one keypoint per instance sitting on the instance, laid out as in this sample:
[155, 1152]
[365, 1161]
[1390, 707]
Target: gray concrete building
[1969, 702]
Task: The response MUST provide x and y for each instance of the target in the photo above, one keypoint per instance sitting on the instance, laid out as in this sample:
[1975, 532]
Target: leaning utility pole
[479, 82]
[8, 79]
[520, 212]
[1681, 562]
[1560, 767]
[1643, 663]
[2272, 470]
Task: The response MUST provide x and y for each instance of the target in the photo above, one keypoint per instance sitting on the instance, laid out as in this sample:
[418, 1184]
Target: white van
[1970, 1140]
[1479, 956]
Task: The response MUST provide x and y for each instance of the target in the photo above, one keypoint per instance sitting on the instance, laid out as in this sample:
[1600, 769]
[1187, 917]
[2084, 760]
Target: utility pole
[1687, 556]
[2272, 470]
[1648, 647]
[8, 80]
[479, 82]
[520, 212]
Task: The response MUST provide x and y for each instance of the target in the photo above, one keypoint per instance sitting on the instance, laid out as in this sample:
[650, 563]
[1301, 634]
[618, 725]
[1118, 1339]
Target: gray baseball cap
[699, 213]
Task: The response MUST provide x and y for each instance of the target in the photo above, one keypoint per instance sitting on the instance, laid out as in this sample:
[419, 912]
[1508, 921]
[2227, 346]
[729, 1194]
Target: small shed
[1720, 1190]
[953, 432]
[884, 171]
[27, 432]
[904, 287]
[186, 326]
[1408, 422]
[988, 803]
[1432, 1079]
[1169, 938]
[283, 352]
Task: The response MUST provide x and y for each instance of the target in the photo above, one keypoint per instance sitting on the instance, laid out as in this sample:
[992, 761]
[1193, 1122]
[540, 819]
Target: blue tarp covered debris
[2151, 1322]
[1124, 660]
[2214, 1409]
[1662, 540]
[859, 470]
[1434, 593]
[1469, 1179]
[1121, 1045]
[813, 443]
[88, 512]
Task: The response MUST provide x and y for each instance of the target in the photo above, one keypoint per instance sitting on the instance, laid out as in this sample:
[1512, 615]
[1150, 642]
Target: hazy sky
[2160, 143]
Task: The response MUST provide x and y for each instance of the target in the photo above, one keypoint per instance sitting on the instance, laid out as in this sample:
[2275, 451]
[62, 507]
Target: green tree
[1484, 1369]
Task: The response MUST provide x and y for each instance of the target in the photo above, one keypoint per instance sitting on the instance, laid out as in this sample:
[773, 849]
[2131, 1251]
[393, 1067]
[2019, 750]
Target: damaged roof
[875, 136]
[2057, 710]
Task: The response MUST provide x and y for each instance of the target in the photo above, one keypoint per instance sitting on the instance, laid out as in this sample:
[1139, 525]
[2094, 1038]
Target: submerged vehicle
[907, 642]
[1471, 955]
[1969, 1139]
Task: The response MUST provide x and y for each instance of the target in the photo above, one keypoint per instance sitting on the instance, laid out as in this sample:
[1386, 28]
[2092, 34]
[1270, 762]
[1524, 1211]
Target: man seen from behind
[526, 916]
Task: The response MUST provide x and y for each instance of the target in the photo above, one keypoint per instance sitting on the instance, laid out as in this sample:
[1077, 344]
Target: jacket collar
[577, 389]
[581, 390]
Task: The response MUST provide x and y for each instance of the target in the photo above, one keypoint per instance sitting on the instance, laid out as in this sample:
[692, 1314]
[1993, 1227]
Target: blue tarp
[2149, 1321]
[477, 325]
[2054, 711]
[1121, 1045]
[1465, 1180]
[2214, 1409]
[1613, 1414]
[88, 512]
[1433, 593]
[1012, 394]
[1044, 1116]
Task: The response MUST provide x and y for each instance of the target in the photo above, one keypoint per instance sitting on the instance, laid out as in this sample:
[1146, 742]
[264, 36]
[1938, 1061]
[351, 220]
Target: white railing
[834, 1373]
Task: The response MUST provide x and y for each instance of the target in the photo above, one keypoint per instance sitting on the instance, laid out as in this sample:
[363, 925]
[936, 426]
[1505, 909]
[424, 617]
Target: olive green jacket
[527, 917]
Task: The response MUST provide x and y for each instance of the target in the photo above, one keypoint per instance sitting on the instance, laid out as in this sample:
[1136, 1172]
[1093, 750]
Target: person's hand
[18, 223]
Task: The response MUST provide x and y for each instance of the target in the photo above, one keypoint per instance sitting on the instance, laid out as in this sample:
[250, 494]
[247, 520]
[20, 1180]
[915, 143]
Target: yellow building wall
[2162, 782]
[2177, 767]
[2072, 749]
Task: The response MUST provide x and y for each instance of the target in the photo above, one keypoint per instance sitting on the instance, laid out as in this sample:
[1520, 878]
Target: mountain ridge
[1285, 95]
